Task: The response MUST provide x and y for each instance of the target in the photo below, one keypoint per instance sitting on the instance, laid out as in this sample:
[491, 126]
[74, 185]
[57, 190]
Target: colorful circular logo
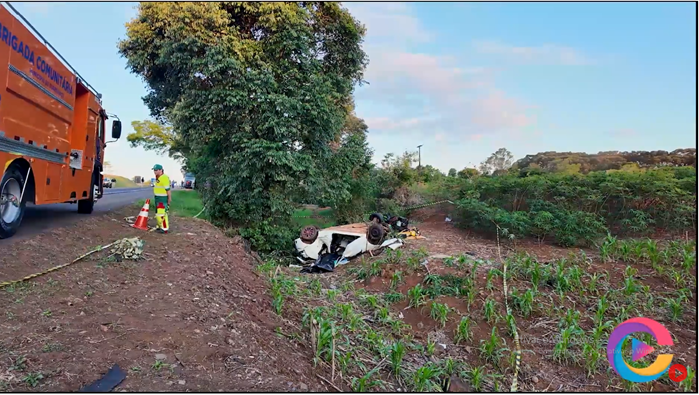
[639, 349]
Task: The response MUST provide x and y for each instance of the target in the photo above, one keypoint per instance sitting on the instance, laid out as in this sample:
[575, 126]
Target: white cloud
[425, 95]
[542, 54]
[390, 23]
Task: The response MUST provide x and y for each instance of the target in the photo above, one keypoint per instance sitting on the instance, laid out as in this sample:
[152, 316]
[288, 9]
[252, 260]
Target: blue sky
[463, 79]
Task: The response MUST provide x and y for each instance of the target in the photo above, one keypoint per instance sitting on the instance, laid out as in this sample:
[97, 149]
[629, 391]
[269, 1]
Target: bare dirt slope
[193, 316]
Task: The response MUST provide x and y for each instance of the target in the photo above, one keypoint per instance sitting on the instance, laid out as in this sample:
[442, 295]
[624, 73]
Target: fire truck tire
[86, 206]
[11, 184]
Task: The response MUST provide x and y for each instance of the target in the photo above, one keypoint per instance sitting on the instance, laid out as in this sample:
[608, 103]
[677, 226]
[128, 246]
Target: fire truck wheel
[86, 206]
[11, 209]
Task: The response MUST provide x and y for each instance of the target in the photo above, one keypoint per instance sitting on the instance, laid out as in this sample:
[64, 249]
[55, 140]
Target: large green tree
[498, 162]
[257, 94]
[157, 136]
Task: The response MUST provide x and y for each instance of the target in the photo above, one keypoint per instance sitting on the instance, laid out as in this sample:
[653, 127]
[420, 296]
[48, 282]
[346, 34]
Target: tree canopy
[259, 98]
[498, 162]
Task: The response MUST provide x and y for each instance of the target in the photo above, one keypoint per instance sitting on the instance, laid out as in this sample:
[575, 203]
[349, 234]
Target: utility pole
[419, 158]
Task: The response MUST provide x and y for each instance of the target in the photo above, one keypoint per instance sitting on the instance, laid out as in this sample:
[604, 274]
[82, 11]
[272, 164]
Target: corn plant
[688, 384]
[396, 279]
[674, 308]
[689, 260]
[324, 340]
[426, 378]
[492, 349]
[393, 297]
[572, 318]
[608, 248]
[413, 263]
[489, 311]
[346, 311]
[591, 358]
[489, 279]
[393, 256]
[440, 312]
[593, 282]
[598, 333]
[430, 346]
[511, 324]
[396, 354]
[416, 296]
[561, 351]
[477, 377]
[370, 301]
[366, 382]
[575, 274]
[537, 275]
[344, 361]
[463, 330]
[382, 315]
[562, 282]
[602, 307]
[625, 251]
[449, 366]
[524, 303]
[678, 278]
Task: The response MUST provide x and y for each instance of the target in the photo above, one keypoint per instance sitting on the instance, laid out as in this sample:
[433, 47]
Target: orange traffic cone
[142, 220]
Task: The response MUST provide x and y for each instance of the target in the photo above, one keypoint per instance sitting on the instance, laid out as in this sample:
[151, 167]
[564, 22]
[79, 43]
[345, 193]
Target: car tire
[375, 234]
[10, 221]
[376, 218]
[309, 234]
[86, 206]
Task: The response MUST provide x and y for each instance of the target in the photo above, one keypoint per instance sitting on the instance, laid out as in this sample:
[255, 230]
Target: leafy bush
[574, 209]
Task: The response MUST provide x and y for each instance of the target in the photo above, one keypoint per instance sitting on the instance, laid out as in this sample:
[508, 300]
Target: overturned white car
[336, 245]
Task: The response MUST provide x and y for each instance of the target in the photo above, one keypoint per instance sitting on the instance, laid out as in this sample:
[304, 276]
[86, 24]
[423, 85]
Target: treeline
[580, 162]
[568, 208]
[575, 209]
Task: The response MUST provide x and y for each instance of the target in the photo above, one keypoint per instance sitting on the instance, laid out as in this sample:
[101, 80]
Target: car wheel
[376, 217]
[309, 234]
[11, 209]
[375, 234]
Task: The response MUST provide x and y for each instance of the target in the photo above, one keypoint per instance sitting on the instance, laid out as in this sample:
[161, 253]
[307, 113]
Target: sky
[461, 79]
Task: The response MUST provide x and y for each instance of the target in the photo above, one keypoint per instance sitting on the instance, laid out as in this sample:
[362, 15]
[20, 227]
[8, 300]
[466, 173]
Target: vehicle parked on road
[109, 182]
[189, 180]
[52, 129]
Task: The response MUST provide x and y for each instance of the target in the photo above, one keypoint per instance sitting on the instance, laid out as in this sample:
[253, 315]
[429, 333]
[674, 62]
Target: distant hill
[123, 182]
[608, 160]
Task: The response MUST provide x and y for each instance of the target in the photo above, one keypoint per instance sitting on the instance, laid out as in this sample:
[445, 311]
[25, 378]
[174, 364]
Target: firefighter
[163, 198]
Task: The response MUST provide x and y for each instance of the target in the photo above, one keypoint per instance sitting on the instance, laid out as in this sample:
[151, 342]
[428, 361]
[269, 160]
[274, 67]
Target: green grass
[185, 203]
[123, 182]
[326, 218]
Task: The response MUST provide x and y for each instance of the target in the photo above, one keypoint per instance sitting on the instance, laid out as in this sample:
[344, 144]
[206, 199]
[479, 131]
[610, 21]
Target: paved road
[39, 218]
